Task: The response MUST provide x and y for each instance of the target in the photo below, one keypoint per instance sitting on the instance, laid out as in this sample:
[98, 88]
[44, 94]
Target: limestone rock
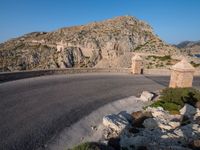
[174, 124]
[188, 110]
[197, 116]
[162, 131]
[195, 144]
[146, 96]
[126, 116]
[115, 122]
[150, 123]
[139, 117]
[132, 142]
[162, 119]
[160, 114]
[197, 105]
[188, 132]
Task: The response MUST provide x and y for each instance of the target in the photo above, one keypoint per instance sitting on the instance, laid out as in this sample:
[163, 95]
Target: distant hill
[108, 43]
[192, 47]
[186, 44]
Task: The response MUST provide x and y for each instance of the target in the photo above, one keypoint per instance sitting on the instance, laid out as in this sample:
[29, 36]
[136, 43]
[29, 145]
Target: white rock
[146, 96]
[115, 122]
[174, 124]
[150, 123]
[153, 109]
[164, 126]
[160, 114]
[197, 115]
[188, 110]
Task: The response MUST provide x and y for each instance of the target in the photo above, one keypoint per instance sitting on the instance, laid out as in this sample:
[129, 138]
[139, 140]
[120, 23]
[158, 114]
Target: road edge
[83, 130]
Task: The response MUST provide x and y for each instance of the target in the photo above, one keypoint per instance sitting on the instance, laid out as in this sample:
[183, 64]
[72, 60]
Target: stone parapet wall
[165, 72]
[9, 76]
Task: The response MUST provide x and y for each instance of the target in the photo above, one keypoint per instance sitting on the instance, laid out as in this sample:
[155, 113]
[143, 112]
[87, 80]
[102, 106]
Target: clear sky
[172, 20]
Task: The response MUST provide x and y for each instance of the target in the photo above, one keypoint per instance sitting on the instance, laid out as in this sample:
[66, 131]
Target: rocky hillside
[99, 44]
[191, 47]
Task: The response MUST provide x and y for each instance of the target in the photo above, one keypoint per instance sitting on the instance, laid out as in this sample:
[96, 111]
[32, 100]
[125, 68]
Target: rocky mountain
[191, 47]
[109, 43]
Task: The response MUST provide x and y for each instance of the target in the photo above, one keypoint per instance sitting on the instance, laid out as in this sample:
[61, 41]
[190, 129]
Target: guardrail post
[182, 74]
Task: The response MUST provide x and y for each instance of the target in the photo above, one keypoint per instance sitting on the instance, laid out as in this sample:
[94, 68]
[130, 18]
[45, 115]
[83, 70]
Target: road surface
[34, 110]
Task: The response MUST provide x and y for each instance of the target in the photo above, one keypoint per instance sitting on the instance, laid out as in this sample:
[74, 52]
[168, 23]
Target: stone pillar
[137, 64]
[182, 75]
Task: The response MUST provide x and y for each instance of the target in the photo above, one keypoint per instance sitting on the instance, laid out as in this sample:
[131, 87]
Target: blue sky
[172, 20]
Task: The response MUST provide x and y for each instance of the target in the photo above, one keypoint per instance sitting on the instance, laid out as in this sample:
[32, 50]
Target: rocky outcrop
[159, 129]
[109, 43]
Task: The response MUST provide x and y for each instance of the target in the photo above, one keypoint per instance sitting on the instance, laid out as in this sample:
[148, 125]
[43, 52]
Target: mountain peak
[82, 46]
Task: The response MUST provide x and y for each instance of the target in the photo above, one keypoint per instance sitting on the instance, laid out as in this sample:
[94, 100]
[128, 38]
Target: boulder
[197, 105]
[126, 116]
[115, 122]
[195, 144]
[185, 120]
[132, 142]
[139, 117]
[197, 117]
[188, 111]
[174, 124]
[164, 126]
[152, 109]
[188, 132]
[146, 96]
[160, 114]
[150, 123]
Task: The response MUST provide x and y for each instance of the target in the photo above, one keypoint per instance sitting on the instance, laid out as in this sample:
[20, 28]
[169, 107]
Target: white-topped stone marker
[182, 74]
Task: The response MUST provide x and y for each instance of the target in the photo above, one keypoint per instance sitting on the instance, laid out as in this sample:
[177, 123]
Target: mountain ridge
[82, 46]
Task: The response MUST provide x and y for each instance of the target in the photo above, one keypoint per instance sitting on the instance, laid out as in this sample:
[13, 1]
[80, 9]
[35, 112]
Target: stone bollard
[137, 64]
[182, 75]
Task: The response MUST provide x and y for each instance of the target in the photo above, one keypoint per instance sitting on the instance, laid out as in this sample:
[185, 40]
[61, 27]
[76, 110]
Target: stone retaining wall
[164, 72]
[9, 76]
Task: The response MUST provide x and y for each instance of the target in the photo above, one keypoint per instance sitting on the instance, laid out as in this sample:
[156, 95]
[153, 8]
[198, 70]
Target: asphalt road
[34, 110]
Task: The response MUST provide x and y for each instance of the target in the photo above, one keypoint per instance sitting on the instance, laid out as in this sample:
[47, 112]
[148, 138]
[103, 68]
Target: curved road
[34, 110]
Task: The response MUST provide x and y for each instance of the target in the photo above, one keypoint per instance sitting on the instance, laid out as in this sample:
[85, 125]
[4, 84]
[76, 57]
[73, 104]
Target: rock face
[99, 44]
[163, 131]
[159, 129]
[192, 47]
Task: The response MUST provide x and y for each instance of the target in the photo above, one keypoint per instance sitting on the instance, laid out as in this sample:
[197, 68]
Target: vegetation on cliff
[83, 46]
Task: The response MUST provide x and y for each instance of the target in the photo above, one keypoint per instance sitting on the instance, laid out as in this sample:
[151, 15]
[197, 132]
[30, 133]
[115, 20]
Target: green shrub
[194, 64]
[161, 58]
[91, 146]
[173, 99]
[85, 146]
[164, 58]
[171, 107]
